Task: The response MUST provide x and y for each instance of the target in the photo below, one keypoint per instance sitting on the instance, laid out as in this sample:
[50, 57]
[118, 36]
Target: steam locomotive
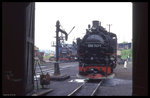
[97, 53]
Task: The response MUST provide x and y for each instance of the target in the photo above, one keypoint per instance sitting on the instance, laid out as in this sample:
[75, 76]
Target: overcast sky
[80, 14]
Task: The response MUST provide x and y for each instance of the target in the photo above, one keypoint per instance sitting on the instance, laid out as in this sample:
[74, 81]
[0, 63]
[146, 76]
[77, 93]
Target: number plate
[94, 45]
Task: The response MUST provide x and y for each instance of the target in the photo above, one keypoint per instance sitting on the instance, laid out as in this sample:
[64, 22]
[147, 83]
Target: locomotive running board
[86, 77]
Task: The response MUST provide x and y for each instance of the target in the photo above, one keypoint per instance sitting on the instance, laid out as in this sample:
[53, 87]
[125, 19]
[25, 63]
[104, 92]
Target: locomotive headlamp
[92, 69]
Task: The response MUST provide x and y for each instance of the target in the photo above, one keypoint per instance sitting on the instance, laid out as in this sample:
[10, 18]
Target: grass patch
[126, 52]
[47, 57]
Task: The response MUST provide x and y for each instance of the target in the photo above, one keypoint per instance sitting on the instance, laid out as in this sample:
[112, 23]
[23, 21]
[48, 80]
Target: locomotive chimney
[96, 24]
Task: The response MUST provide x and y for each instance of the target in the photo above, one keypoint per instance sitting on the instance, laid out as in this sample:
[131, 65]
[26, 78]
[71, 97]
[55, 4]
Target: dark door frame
[140, 49]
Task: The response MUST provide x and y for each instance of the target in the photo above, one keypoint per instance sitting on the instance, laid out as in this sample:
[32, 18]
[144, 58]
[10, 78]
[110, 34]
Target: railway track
[86, 89]
[50, 69]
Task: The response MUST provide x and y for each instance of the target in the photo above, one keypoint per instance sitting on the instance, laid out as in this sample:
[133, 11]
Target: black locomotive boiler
[97, 53]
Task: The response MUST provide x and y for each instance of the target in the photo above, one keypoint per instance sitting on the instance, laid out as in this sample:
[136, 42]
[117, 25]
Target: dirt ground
[124, 73]
[120, 85]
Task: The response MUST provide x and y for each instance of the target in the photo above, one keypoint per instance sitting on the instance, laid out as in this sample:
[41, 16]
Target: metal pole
[109, 26]
[57, 42]
[56, 65]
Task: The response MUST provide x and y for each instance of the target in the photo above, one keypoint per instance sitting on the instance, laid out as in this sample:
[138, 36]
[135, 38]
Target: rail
[75, 91]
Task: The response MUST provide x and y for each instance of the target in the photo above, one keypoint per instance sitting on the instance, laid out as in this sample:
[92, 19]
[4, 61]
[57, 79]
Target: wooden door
[29, 51]
[17, 47]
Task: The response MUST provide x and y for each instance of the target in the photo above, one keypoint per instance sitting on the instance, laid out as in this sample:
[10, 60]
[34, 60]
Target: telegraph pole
[109, 26]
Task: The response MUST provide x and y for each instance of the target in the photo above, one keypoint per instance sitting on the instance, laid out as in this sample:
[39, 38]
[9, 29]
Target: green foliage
[124, 42]
[46, 56]
[126, 52]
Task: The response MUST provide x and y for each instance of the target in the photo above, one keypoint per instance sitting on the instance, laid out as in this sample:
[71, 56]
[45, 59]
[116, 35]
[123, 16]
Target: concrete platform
[59, 77]
[42, 92]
